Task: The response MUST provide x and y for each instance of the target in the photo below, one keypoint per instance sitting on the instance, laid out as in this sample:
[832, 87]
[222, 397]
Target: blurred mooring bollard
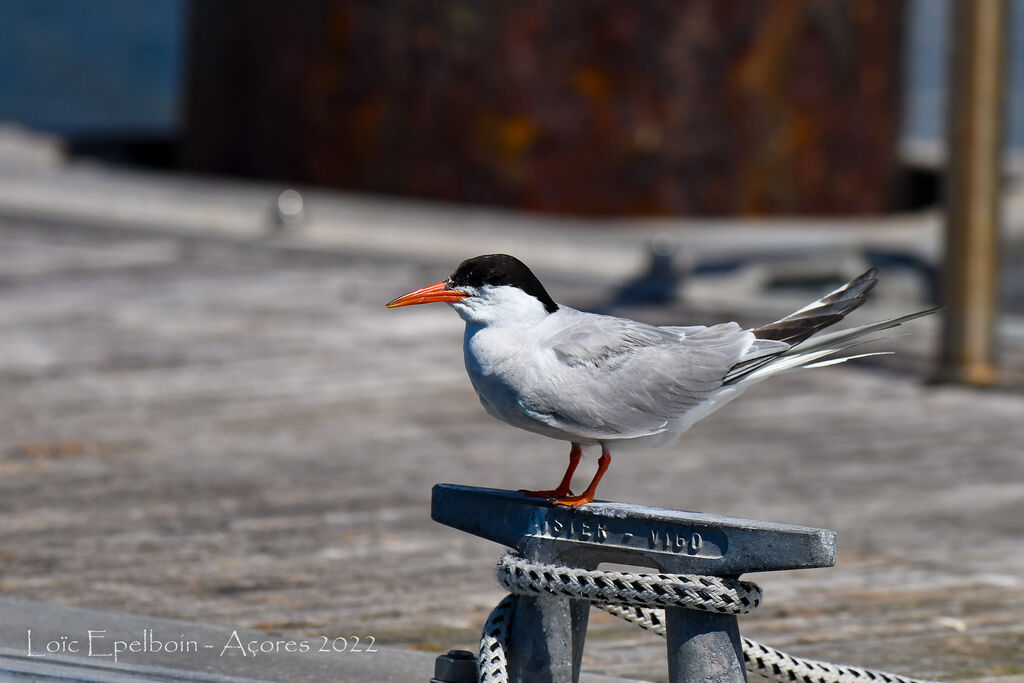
[289, 209]
[546, 637]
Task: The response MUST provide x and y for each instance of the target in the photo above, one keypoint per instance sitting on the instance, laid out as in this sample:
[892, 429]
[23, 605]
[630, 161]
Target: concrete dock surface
[225, 425]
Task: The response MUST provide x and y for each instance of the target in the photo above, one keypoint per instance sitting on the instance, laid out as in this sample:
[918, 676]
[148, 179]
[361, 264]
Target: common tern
[591, 379]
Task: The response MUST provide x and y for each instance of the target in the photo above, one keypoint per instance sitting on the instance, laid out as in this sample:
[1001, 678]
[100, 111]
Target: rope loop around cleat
[704, 593]
[640, 598]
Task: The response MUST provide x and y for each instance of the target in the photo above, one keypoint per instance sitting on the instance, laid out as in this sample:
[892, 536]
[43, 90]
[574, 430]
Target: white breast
[503, 363]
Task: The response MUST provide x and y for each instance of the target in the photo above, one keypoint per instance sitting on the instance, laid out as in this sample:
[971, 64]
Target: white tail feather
[837, 361]
[810, 354]
[840, 337]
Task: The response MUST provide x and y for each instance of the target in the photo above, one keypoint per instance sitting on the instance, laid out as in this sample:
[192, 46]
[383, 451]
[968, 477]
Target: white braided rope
[491, 663]
[767, 661]
[705, 593]
[627, 595]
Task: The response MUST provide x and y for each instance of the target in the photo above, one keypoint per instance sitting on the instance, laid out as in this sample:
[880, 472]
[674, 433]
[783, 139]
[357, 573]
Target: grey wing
[614, 378]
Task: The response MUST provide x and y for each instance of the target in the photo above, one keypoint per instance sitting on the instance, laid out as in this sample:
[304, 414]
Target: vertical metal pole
[975, 136]
[703, 647]
[545, 641]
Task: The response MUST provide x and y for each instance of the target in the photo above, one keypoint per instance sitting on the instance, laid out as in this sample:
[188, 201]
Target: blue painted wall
[924, 112]
[88, 67]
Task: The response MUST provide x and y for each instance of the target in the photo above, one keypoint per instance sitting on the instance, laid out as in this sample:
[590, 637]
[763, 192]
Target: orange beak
[428, 295]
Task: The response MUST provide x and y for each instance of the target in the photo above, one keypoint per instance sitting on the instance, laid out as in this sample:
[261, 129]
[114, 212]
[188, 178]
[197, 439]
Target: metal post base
[546, 639]
[703, 647]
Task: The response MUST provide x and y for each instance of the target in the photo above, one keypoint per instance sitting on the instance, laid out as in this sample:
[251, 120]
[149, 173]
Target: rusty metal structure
[669, 107]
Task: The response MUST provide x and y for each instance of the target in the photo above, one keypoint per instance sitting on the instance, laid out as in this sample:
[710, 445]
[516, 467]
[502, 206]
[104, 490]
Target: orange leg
[588, 495]
[563, 489]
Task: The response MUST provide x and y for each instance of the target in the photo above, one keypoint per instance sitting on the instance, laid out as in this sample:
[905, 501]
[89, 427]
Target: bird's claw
[572, 501]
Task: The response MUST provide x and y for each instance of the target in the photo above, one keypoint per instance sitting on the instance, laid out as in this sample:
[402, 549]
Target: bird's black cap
[497, 270]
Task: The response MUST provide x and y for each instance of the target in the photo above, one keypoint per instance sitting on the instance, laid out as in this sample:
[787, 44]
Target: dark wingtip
[829, 310]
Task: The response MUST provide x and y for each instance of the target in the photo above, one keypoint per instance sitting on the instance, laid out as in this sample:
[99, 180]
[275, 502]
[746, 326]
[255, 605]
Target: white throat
[491, 306]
